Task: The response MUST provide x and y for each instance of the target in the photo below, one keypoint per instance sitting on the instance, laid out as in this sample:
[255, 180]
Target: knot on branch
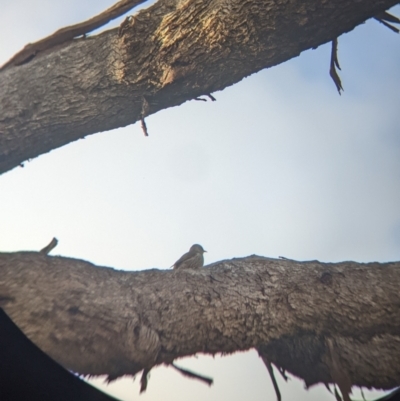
[144, 343]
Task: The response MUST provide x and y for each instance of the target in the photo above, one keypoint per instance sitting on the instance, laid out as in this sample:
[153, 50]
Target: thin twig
[391, 27]
[268, 365]
[193, 375]
[144, 113]
[384, 18]
[337, 395]
[204, 100]
[283, 373]
[335, 63]
[144, 380]
[48, 248]
[144, 126]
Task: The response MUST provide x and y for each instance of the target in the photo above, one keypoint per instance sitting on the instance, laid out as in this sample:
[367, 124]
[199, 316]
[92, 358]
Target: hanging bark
[323, 322]
[171, 52]
[69, 33]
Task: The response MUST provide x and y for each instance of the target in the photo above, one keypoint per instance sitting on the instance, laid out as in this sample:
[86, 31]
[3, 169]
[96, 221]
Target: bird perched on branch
[193, 259]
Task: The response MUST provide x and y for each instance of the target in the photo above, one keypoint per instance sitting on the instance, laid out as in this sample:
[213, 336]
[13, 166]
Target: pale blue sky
[279, 165]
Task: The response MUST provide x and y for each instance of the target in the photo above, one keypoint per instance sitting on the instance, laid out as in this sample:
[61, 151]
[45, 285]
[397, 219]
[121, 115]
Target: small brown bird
[193, 259]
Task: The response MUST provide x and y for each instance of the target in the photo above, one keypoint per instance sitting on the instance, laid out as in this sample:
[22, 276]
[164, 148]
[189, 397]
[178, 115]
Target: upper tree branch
[169, 53]
[95, 320]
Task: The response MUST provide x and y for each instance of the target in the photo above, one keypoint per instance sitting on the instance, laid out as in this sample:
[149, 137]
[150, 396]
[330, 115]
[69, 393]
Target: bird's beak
[205, 251]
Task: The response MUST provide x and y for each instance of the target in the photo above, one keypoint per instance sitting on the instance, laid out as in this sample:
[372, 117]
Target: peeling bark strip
[96, 320]
[174, 51]
[70, 32]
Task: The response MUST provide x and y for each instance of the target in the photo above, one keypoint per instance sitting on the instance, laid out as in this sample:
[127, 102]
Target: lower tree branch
[97, 320]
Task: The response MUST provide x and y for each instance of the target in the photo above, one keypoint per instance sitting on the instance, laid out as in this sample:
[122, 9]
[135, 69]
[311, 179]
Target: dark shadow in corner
[27, 373]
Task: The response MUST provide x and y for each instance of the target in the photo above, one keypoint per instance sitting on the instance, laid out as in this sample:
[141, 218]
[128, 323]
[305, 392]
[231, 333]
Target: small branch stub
[192, 375]
[384, 18]
[144, 380]
[335, 63]
[48, 248]
[270, 369]
[145, 112]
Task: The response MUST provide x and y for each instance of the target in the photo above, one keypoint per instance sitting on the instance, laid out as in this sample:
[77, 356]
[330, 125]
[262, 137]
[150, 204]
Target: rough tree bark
[310, 318]
[296, 313]
[167, 54]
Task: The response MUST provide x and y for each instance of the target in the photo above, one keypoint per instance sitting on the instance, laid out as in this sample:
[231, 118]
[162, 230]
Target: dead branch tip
[144, 113]
[193, 375]
[283, 373]
[337, 396]
[335, 64]
[362, 394]
[144, 380]
[384, 18]
[48, 248]
[209, 95]
[268, 365]
[144, 126]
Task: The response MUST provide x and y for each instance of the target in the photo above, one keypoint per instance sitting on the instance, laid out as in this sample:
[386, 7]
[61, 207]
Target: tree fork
[96, 320]
[171, 52]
